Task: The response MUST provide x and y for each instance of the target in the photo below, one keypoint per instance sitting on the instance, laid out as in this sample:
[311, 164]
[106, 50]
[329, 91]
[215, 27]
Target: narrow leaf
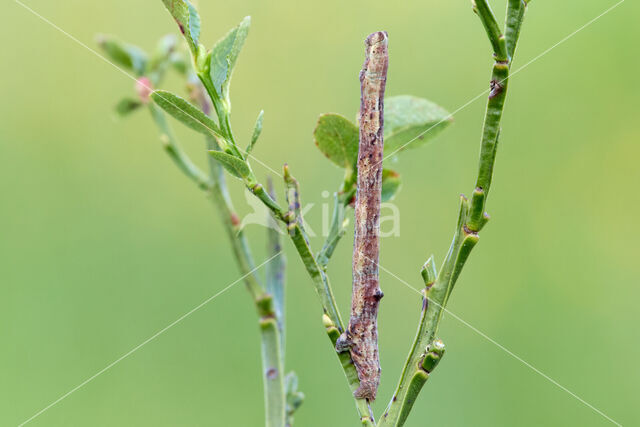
[127, 106]
[185, 112]
[188, 21]
[294, 397]
[125, 55]
[257, 130]
[337, 138]
[391, 184]
[410, 122]
[235, 166]
[224, 55]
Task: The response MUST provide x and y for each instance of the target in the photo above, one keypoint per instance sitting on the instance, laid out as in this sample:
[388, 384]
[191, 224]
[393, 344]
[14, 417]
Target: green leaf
[179, 63]
[126, 106]
[257, 130]
[235, 166]
[294, 397]
[188, 20]
[391, 184]
[165, 48]
[410, 122]
[224, 55]
[185, 112]
[337, 138]
[125, 55]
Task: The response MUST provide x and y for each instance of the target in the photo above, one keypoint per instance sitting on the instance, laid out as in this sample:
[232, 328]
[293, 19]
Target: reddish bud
[235, 220]
[144, 87]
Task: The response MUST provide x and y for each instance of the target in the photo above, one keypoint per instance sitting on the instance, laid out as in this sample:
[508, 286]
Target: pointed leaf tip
[257, 130]
[235, 166]
[188, 20]
[187, 113]
[224, 56]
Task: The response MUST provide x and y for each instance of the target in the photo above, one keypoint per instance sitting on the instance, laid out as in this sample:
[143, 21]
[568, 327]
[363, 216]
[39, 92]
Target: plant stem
[275, 272]
[239, 244]
[270, 334]
[272, 363]
[426, 351]
[318, 276]
[336, 231]
[435, 296]
[174, 151]
[494, 33]
[515, 17]
[271, 323]
[341, 201]
[332, 321]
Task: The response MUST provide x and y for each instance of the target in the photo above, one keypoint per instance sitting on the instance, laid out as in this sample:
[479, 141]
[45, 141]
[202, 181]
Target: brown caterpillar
[361, 337]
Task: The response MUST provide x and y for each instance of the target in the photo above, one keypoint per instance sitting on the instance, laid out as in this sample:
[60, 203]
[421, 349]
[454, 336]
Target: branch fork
[357, 344]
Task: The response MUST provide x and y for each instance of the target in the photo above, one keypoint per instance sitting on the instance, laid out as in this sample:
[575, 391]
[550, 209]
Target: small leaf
[179, 63]
[232, 164]
[391, 184]
[291, 382]
[337, 138]
[127, 106]
[257, 130]
[165, 48]
[125, 55]
[188, 19]
[293, 396]
[185, 112]
[224, 55]
[410, 122]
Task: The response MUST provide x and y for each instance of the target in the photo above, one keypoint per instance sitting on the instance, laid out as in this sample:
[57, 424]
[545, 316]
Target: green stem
[239, 244]
[272, 363]
[437, 291]
[174, 151]
[336, 231]
[275, 271]
[332, 320]
[426, 350]
[271, 337]
[270, 311]
[515, 17]
[222, 113]
[341, 201]
[318, 276]
[496, 38]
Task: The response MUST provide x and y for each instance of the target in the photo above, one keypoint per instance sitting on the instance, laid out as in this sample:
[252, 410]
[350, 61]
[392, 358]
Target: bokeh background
[103, 242]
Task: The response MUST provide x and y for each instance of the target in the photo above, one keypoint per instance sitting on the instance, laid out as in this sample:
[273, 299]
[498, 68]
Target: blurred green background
[103, 242]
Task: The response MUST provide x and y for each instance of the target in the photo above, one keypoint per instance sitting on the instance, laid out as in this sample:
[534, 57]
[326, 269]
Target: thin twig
[271, 334]
[331, 318]
[426, 349]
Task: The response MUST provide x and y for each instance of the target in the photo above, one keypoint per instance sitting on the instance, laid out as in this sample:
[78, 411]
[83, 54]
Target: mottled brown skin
[361, 338]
